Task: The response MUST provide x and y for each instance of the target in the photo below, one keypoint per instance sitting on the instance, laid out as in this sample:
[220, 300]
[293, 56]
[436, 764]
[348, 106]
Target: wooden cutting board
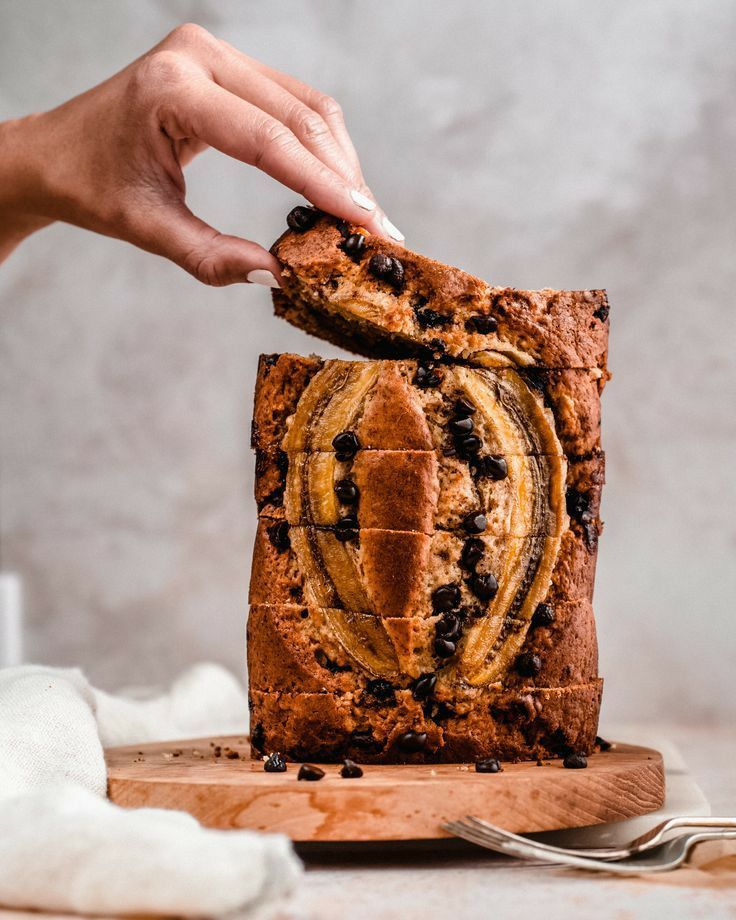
[387, 802]
[215, 780]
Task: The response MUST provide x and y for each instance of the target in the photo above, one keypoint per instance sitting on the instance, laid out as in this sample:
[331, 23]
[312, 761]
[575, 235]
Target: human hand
[111, 159]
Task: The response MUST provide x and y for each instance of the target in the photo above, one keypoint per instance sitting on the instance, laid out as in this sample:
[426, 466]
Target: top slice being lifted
[374, 297]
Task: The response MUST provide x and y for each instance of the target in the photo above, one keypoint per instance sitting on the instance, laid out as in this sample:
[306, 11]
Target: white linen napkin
[64, 847]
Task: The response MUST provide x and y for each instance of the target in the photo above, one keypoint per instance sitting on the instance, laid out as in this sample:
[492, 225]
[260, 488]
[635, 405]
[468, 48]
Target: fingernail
[392, 230]
[262, 276]
[363, 201]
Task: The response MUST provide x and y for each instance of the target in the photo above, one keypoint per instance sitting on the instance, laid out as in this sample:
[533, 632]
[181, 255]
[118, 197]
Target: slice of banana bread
[379, 299]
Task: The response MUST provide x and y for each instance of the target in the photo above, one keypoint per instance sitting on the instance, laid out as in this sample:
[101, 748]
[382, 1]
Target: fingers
[211, 257]
[243, 131]
[234, 72]
[313, 121]
[324, 105]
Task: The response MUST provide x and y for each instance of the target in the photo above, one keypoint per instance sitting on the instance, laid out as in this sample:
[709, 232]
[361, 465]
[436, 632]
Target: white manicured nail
[392, 230]
[363, 201]
[262, 276]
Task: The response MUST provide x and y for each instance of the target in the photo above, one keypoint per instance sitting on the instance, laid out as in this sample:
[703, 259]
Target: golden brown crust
[292, 649]
[510, 725]
[332, 295]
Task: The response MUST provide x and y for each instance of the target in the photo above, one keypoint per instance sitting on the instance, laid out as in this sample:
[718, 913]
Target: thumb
[212, 257]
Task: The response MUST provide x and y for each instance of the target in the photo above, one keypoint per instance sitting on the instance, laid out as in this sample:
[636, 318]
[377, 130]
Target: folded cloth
[64, 847]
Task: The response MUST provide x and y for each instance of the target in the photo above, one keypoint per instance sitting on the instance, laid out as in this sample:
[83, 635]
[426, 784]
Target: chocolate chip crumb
[544, 615]
[354, 246]
[350, 770]
[347, 492]
[278, 534]
[346, 445]
[300, 219]
[473, 550]
[481, 323]
[484, 587]
[475, 522]
[427, 376]
[347, 528]
[274, 763]
[310, 773]
[489, 765]
[528, 664]
[575, 760]
[412, 742]
[602, 744]
[491, 467]
[387, 268]
[380, 688]
[444, 648]
[423, 686]
[445, 598]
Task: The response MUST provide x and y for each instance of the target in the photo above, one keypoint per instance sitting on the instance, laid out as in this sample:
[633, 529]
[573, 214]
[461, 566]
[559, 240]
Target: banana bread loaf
[424, 562]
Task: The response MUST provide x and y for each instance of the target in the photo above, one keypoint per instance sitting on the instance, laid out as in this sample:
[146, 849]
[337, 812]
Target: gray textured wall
[569, 144]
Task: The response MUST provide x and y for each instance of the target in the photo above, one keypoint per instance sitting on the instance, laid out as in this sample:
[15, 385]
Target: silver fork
[659, 858]
[651, 838]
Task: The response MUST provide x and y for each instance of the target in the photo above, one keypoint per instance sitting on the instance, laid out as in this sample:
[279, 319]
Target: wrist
[23, 196]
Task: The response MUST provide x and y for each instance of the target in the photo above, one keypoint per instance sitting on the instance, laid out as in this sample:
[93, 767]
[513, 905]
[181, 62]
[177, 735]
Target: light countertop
[465, 883]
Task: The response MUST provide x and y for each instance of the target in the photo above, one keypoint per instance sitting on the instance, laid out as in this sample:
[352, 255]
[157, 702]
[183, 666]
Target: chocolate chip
[473, 550]
[300, 219]
[423, 686]
[431, 319]
[602, 312]
[468, 446]
[475, 522]
[492, 467]
[387, 268]
[484, 587]
[344, 228]
[578, 506]
[354, 246]
[602, 744]
[437, 347]
[347, 528]
[275, 763]
[575, 760]
[481, 323]
[350, 770]
[544, 615]
[444, 648]
[310, 773]
[463, 408]
[347, 492]
[346, 445]
[426, 376]
[528, 664]
[412, 742]
[449, 627]
[381, 689]
[489, 765]
[278, 534]
[304, 614]
[461, 426]
[365, 741]
[445, 598]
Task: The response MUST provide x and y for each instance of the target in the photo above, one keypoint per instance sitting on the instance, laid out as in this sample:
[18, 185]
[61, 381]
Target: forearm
[23, 199]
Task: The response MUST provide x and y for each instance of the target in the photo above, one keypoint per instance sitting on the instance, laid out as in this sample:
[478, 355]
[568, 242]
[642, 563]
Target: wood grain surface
[215, 780]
